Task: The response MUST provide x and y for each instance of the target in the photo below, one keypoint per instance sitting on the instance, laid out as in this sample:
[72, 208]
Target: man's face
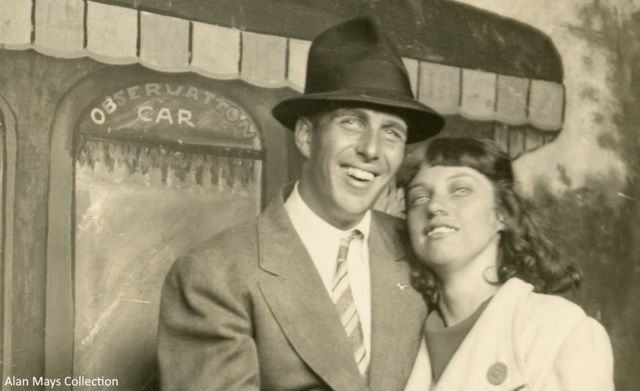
[352, 155]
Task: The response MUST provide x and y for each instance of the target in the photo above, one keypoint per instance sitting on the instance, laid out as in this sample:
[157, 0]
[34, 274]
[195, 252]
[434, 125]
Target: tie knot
[344, 244]
[355, 234]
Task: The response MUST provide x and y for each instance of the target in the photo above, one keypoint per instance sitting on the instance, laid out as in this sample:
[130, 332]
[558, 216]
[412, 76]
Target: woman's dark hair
[525, 250]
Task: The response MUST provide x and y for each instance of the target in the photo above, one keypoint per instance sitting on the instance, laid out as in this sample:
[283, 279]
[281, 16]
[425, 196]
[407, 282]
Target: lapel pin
[402, 285]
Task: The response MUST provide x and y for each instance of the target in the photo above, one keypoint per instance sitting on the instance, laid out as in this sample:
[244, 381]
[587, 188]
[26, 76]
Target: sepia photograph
[384, 195]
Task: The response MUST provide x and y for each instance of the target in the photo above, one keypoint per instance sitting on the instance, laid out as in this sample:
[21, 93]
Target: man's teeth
[441, 230]
[360, 174]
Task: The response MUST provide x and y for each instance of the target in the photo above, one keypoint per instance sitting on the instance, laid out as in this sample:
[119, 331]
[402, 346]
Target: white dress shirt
[322, 241]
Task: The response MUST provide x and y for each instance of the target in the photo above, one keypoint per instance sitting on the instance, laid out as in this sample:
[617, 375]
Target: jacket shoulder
[560, 344]
[386, 218]
[391, 224]
[551, 307]
[546, 320]
[237, 238]
[231, 251]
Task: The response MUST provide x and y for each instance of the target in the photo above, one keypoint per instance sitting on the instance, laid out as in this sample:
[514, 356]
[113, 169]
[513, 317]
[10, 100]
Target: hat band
[365, 75]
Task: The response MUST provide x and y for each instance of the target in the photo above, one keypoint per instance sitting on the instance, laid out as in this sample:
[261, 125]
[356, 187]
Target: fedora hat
[354, 64]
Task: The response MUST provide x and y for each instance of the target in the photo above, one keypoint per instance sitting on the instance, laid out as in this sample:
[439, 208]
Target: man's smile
[359, 174]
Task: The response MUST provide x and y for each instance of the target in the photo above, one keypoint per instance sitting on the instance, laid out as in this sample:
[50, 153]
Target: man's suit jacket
[247, 310]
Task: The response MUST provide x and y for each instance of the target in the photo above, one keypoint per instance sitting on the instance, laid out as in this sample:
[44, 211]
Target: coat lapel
[298, 300]
[398, 311]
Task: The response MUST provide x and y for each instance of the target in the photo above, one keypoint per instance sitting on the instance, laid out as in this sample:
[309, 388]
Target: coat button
[497, 373]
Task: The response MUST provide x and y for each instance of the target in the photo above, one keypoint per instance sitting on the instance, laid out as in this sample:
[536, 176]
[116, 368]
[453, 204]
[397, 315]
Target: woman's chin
[438, 261]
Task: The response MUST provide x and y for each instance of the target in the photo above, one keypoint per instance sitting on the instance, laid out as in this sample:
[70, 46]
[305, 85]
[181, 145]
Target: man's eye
[395, 134]
[351, 123]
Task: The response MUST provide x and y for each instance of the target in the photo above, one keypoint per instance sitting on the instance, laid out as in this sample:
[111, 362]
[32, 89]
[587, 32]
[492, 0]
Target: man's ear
[303, 133]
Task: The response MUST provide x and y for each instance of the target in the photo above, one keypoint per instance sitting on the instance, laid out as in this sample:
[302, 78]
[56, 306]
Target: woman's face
[452, 218]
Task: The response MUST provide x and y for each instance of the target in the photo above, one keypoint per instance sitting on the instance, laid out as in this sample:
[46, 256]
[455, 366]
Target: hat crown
[354, 64]
[355, 55]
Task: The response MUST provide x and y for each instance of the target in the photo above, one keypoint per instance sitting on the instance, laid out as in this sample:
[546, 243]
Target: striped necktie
[343, 300]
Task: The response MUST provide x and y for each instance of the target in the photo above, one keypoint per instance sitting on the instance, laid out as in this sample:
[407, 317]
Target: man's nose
[369, 144]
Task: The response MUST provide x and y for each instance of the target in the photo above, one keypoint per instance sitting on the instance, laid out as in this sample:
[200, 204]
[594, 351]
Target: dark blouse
[443, 341]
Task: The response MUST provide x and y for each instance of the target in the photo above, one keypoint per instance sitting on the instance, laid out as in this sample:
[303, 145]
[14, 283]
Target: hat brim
[422, 121]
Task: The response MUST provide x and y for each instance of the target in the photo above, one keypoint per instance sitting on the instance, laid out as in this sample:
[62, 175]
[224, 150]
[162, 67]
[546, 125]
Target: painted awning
[117, 34]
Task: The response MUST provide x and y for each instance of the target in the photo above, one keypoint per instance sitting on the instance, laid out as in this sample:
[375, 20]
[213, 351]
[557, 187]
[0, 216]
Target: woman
[487, 273]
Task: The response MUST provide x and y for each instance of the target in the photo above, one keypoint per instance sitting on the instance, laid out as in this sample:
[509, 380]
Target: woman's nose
[436, 206]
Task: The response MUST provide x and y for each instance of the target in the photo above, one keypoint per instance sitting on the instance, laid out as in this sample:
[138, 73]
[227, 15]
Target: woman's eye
[420, 200]
[461, 191]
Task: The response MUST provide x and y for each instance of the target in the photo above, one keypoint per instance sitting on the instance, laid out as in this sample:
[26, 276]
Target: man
[315, 293]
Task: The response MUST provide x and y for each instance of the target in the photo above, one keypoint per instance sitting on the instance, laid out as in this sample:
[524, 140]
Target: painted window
[159, 167]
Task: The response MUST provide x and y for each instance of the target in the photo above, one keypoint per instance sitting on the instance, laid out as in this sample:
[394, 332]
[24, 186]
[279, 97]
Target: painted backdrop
[92, 216]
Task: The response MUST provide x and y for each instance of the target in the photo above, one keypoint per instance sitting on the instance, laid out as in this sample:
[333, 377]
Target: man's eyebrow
[349, 111]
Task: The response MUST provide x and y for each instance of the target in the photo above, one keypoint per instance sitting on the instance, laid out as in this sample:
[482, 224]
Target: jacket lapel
[298, 300]
[398, 311]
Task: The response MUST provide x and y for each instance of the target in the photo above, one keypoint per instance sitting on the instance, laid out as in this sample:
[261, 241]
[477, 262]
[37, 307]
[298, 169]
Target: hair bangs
[481, 156]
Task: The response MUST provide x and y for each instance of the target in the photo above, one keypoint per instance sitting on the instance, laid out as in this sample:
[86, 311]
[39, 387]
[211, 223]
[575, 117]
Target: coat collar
[491, 344]
[294, 291]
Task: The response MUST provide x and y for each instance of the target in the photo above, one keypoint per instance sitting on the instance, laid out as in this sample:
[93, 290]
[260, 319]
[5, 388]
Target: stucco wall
[590, 36]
